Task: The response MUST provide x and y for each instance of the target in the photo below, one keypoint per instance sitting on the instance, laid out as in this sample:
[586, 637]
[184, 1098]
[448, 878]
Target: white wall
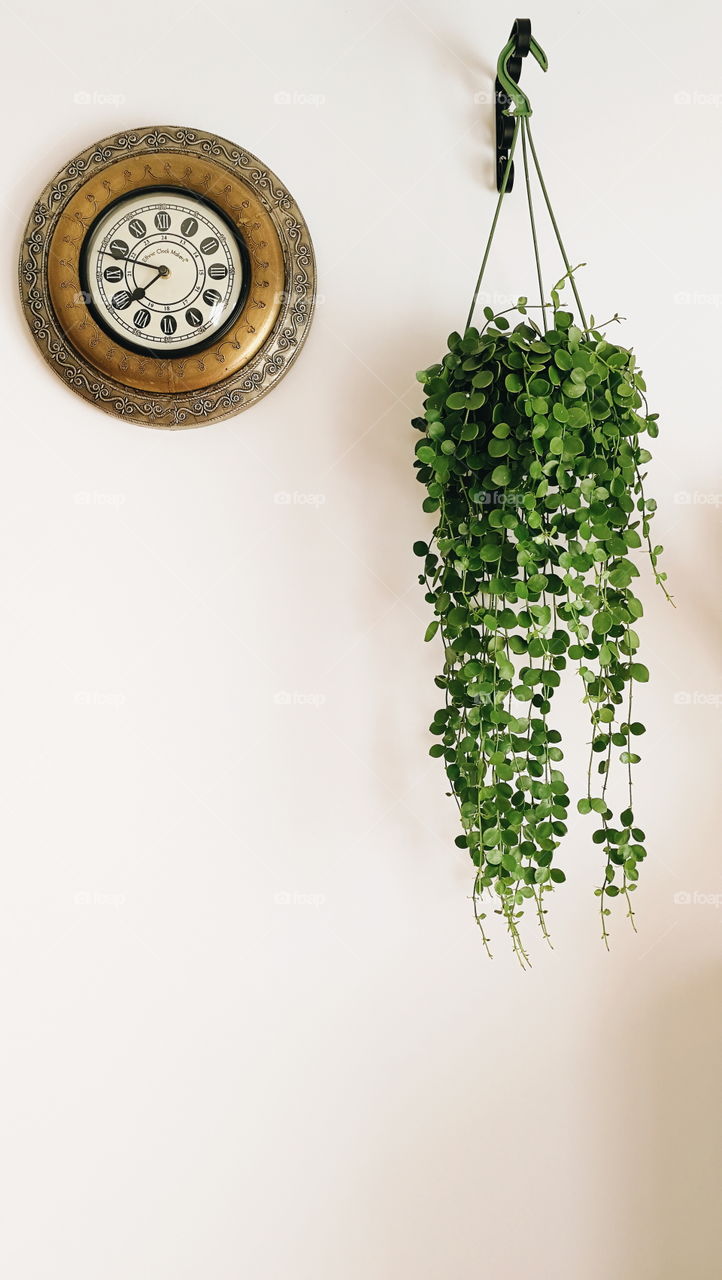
[205, 1074]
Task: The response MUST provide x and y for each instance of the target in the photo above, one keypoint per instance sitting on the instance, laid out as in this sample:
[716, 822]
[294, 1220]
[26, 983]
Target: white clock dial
[164, 271]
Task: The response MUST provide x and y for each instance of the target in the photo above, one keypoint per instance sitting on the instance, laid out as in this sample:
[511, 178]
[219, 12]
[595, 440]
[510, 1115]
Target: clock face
[164, 271]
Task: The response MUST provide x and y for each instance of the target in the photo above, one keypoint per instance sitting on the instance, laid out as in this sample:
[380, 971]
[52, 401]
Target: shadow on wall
[669, 1136]
[465, 67]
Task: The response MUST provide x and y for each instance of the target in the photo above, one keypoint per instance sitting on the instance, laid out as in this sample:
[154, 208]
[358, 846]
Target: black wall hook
[520, 41]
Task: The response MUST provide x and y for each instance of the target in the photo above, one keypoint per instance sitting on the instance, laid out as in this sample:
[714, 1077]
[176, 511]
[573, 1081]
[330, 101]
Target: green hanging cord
[557, 232]
[522, 109]
[494, 222]
[524, 128]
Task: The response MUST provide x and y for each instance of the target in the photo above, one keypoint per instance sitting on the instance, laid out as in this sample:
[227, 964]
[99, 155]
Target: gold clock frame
[184, 390]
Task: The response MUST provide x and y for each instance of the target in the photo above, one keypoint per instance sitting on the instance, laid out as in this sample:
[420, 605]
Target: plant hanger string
[532, 220]
[510, 94]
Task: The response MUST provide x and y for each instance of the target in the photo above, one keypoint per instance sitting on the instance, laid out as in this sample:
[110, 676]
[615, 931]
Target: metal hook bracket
[507, 93]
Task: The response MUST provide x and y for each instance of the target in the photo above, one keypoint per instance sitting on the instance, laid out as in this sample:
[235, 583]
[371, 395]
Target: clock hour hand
[140, 293]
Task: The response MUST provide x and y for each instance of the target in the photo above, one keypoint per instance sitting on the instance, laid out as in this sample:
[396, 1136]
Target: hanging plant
[533, 457]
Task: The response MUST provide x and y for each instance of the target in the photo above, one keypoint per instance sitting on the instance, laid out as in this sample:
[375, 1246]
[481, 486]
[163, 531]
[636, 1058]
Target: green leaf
[573, 390]
[457, 616]
[501, 476]
[457, 400]
[475, 400]
[431, 630]
[638, 671]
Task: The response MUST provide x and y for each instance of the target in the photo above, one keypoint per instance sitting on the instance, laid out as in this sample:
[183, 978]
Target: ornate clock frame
[244, 362]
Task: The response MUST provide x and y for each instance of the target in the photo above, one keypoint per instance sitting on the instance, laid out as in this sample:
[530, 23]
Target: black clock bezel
[189, 348]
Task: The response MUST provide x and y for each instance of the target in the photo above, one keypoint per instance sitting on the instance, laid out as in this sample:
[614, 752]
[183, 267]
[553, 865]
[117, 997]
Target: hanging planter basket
[532, 452]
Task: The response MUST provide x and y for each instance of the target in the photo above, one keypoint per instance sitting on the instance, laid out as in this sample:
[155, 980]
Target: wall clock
[168, 276]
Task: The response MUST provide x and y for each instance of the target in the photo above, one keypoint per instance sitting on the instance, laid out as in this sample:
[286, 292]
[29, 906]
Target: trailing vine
[533, 459]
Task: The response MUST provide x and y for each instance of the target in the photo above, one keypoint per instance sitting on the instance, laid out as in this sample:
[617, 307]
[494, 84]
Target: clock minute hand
[135, 262]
